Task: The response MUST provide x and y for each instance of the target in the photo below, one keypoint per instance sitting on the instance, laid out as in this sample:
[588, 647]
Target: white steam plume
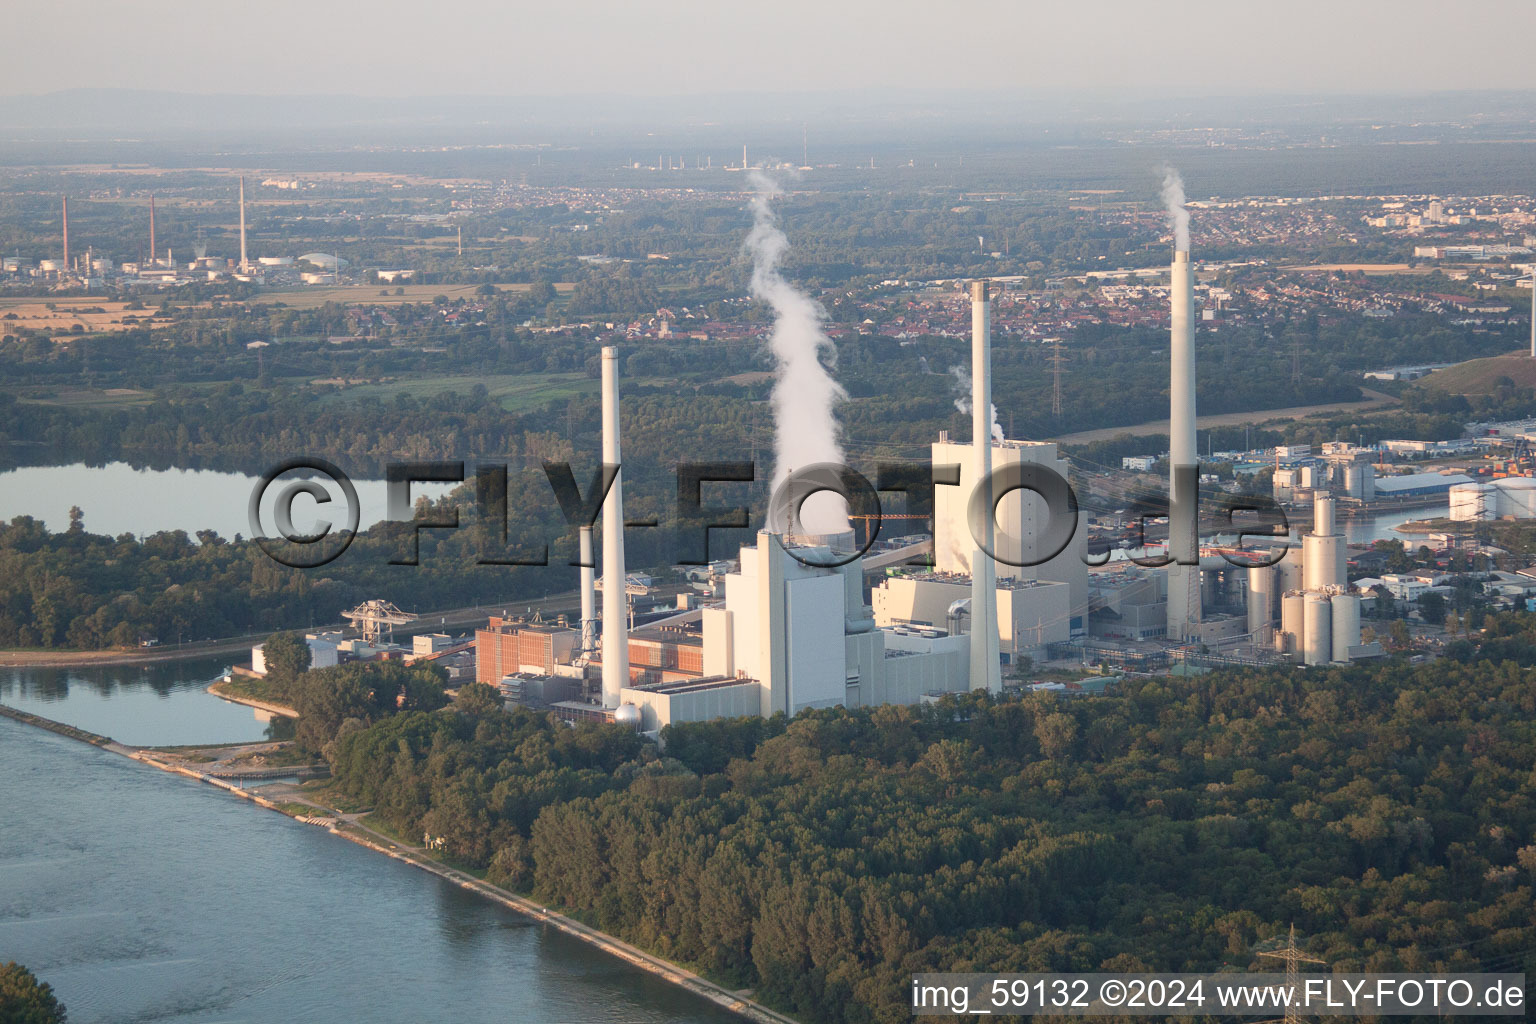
[963, 398]
[804, 393]
[1173, 202]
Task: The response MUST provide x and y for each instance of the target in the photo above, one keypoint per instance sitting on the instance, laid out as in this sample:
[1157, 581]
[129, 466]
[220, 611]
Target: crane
[377, 618]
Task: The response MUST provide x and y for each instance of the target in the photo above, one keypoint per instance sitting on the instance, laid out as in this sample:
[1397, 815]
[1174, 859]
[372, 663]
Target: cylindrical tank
[1288, 571]
[1293, 620]
[1322, 514]
[1317, 624]
[1519, 497]
[1346, 624]
[1309, 476]
[1261, 600]
[1354, 479]
[1321, 559]
[1471, 503]
[1368, 483]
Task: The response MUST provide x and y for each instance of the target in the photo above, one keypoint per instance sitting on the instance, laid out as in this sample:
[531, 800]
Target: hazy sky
[651, 47]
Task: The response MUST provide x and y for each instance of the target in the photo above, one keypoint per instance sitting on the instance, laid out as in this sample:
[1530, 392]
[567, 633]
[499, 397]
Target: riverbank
[1371, 401]
[426, 622]
[224, 691]
[358, 833]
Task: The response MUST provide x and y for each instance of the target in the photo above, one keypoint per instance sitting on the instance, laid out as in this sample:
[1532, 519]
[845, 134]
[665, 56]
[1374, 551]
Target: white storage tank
[1322, 514]
[1261, 601]
[1293, 620]
[1519, 497]
[1317, 624]
[1346, 624]
[1288, 571]
[1322, 561]
[1472, 503]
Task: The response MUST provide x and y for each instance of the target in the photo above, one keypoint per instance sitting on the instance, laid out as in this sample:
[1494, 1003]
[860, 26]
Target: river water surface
[150, 897]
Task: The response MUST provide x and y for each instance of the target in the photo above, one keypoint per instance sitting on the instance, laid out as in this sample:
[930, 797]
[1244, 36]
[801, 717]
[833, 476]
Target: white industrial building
[1030, 613]
[794, 636]
[1021, 517]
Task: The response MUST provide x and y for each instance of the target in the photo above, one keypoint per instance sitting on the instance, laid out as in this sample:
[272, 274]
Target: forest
[1387, 811]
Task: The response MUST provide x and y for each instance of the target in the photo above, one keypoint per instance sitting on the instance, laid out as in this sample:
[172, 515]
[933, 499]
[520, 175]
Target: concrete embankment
[58, 727]
[663, 969]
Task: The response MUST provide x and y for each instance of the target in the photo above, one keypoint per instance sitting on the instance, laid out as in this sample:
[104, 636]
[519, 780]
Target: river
[146, 896]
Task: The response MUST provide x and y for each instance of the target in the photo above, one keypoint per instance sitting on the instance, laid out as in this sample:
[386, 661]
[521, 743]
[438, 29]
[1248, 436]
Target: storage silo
[1321, 559]
[1293, 621]
[1317, 626]
[1288, 570]
[1519, 497]
[1261, 601]
[1473, 503]
[1346, 624]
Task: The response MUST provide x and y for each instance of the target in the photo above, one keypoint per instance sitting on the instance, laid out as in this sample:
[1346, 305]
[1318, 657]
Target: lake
[118, 498]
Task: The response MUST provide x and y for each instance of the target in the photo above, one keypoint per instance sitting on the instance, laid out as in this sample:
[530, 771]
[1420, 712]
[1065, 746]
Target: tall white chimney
[615, 603]
[244, 263]
[588, 594]
[985, 672]
[1183, 536]
[1533, 311]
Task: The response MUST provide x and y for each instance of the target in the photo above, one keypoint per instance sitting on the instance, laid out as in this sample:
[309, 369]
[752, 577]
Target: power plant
[799, 624]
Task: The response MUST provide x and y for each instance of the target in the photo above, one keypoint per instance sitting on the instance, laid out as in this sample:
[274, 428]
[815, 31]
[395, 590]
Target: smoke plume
[1173, 202]
[804, 393]
[963, 398]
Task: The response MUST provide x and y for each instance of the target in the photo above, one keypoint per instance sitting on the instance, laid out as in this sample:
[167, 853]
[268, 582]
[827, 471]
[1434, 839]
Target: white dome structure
[627, 714]
[324, 260]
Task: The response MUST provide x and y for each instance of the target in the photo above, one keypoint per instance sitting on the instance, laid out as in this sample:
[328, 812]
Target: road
[452, 618]
[1373, 400]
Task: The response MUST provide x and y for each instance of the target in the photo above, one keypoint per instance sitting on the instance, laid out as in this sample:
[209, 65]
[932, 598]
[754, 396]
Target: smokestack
[985, 673]
[66, 234]
[1183, 535]
[244, 263]
[743, 156]
[615, 619]
[588, 594]
[152, 247]
[1533, 311]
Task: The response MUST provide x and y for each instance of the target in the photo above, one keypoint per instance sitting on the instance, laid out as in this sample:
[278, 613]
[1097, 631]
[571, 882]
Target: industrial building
[1419, 485]
[1319, 619]
[794, 632]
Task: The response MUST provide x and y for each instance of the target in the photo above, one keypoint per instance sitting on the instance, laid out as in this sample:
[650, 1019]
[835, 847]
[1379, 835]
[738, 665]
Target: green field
[371, 294]
[516, 392]
[110, 398]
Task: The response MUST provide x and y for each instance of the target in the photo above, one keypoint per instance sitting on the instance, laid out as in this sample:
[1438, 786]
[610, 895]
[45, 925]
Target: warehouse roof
[1419, 482]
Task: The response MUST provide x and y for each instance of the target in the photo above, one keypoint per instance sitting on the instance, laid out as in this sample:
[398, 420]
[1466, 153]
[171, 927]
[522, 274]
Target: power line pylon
[1056, 361]
[1293, 957]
